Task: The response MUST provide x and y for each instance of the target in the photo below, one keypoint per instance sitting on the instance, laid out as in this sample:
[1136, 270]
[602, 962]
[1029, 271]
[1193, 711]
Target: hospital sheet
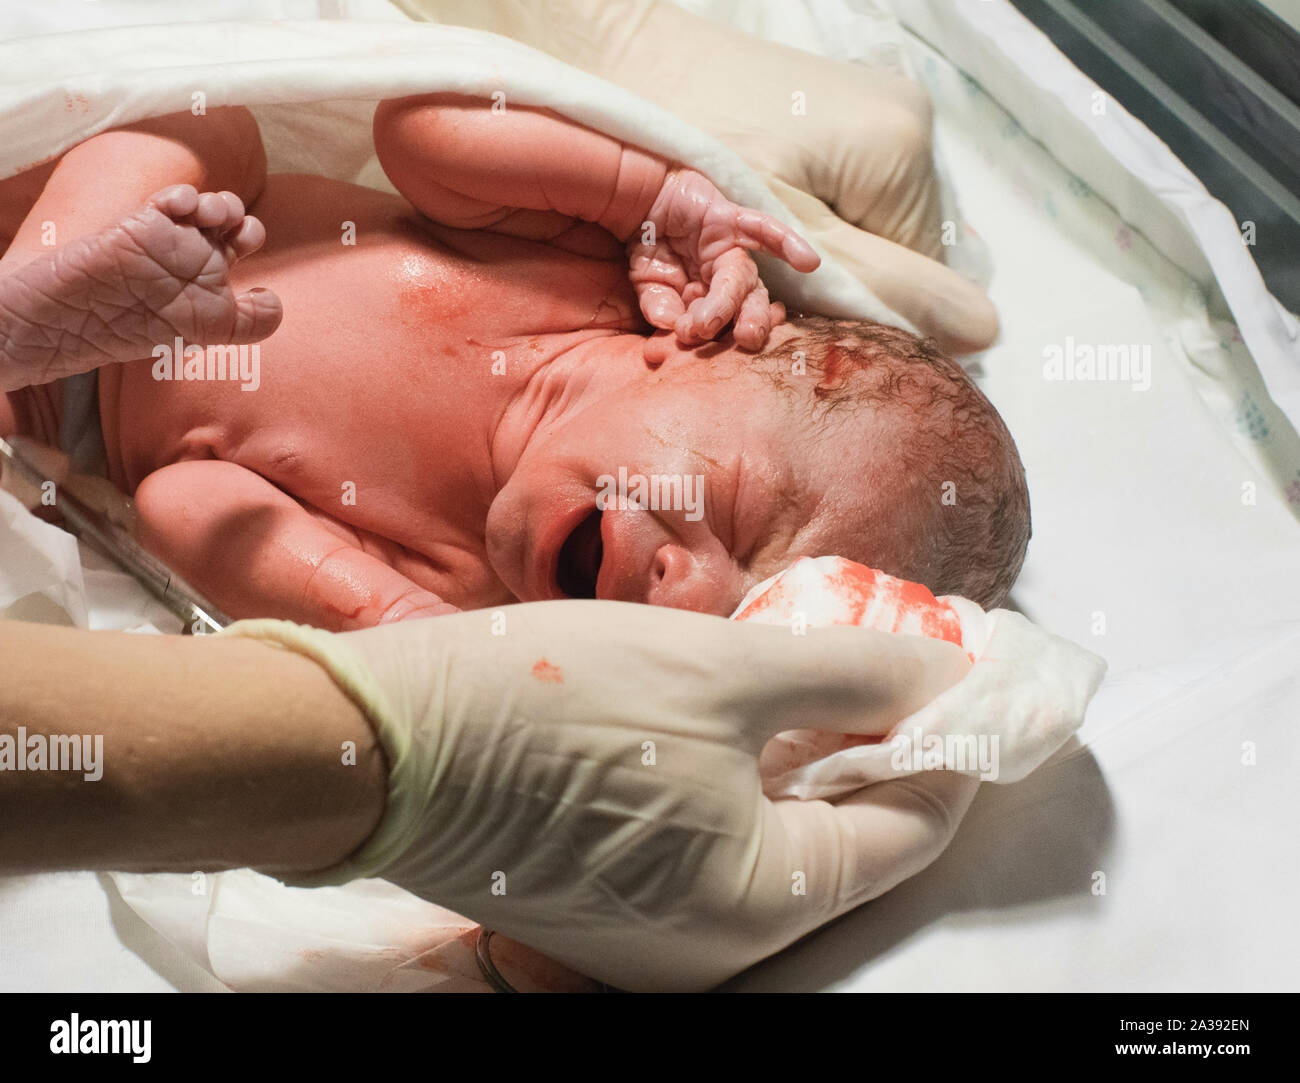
[1152, 852]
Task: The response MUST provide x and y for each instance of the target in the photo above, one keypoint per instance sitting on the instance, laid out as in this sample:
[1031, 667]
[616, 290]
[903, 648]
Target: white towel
[1026, 693]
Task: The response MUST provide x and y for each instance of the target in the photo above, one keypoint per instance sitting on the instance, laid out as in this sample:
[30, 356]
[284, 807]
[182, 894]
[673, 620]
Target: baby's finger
[660, 305]
[759, 230]
[693, 291]
[257, 313]
[754, 320]
[734, 276]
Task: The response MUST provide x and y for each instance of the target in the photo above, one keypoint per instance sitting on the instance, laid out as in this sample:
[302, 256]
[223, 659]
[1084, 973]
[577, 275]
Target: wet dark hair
[947, 438]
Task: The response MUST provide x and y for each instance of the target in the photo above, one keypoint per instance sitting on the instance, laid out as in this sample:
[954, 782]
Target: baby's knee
[223, 146]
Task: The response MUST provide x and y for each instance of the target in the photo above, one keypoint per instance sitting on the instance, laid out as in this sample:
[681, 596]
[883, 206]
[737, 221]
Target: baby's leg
[115, 295]
[257, 552]
[90, 277]
[99, 182]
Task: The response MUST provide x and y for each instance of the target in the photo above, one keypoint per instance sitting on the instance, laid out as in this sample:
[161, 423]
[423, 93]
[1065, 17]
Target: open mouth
[578, 566]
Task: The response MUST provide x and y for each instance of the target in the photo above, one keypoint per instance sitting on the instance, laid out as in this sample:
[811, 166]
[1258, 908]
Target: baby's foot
[115, 295]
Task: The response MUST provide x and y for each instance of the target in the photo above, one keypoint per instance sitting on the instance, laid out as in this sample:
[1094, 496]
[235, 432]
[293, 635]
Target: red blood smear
[764, 601]
[547, 673]
[903, 606]
[855, 584]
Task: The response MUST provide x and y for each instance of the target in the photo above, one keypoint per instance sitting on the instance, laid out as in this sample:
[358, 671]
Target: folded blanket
[59, 89]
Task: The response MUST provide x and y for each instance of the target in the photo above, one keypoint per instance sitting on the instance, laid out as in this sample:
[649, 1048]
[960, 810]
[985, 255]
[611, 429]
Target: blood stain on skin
[547, 673]
[834, 371]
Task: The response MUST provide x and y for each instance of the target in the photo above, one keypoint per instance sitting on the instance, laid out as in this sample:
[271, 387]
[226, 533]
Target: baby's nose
[681, 579]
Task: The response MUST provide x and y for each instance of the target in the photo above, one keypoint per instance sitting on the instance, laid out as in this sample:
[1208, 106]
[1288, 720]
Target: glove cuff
[356, 681]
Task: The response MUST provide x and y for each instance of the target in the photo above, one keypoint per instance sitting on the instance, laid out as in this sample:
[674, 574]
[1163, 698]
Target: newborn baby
[475, 384]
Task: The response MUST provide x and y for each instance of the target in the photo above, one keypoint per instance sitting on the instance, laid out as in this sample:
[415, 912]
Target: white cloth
[995, 746]
[57, 91]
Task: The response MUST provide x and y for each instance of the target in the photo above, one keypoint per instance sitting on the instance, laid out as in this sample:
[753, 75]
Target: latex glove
[587, 783]
[855, 165]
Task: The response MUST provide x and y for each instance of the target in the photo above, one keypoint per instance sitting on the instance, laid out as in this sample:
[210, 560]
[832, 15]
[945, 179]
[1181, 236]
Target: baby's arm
[256, 552]
[532, 173]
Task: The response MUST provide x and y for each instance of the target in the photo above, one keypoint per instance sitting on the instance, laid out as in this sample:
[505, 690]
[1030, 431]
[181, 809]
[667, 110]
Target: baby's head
[687, 482]
[943, 471]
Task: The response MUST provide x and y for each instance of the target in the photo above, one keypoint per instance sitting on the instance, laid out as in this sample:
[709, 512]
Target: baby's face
[683, 487]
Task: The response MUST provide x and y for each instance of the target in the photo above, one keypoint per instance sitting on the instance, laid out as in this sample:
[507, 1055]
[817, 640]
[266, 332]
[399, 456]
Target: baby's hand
[695, 276]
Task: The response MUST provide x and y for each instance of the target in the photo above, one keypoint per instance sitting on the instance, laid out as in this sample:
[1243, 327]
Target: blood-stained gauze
[825, 591]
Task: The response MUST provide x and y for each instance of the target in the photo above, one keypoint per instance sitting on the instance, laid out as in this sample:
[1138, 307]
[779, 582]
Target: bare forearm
[215, 753]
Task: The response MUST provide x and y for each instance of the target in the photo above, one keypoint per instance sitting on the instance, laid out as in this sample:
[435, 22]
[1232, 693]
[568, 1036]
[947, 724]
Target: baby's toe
[247, 238]
[234, 209]
[178, 201]
[217, 210]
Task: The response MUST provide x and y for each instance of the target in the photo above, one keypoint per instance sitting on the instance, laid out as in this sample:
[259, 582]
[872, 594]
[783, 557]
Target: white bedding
[1138, 516]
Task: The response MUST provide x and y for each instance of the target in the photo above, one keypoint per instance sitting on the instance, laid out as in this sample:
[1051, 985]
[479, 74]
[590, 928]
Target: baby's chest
[481, 286]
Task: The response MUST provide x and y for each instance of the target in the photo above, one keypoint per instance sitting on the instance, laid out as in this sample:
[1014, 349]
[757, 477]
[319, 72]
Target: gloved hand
[855, 164]
[587, 781]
